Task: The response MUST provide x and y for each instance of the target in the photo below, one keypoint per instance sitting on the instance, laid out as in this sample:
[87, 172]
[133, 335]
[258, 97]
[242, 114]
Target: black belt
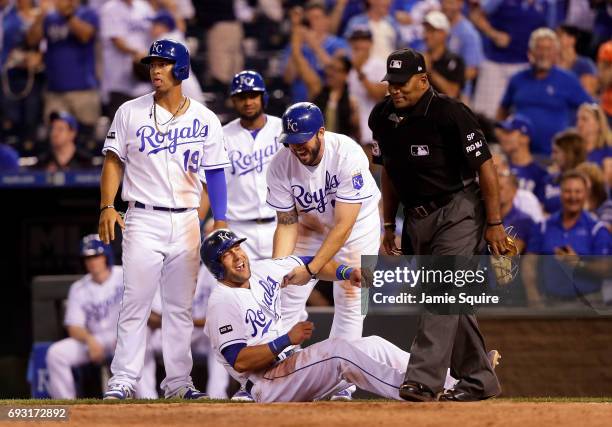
[262, 220]
[428, 208]
[160, 208]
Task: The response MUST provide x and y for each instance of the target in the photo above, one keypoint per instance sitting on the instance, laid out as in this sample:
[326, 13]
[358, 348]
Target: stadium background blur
[61, 83]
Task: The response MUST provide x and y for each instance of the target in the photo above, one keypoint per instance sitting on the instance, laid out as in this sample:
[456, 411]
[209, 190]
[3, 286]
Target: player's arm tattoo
[287, 218]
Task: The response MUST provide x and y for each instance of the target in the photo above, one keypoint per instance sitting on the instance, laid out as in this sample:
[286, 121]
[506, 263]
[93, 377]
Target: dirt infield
[330, 414]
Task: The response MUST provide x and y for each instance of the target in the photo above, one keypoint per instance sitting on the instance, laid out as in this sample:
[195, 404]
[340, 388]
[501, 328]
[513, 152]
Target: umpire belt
[430, 207]
[158, 208]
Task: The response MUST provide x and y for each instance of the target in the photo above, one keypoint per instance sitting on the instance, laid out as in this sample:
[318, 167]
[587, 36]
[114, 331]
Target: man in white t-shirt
[124, 31]
[326, 202]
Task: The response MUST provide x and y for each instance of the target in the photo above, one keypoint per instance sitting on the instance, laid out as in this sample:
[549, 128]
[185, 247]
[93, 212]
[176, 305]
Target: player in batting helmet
[172, 51]
[92, 245]
[214, 246]
[303, 131]
[249, 81]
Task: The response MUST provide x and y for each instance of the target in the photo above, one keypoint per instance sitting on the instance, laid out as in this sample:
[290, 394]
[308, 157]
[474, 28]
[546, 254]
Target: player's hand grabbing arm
[286, 233]
[112, 171]
[253, 358]
[94, 348]
[331, 271]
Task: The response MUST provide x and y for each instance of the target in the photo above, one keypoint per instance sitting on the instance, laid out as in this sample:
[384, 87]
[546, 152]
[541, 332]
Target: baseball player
[247, 330]
[327, 204]
[252, 141]
[91, 320]
[161, 143]
[218, 379]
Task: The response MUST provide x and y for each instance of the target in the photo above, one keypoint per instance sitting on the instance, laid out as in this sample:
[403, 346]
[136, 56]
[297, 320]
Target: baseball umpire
[432, 149]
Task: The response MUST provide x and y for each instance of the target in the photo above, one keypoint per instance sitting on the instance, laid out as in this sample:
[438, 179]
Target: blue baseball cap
[66, 117]
[165, 18]
[517, 122]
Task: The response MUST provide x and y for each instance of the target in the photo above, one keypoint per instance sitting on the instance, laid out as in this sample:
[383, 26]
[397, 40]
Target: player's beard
[251, 117]
[313, 154]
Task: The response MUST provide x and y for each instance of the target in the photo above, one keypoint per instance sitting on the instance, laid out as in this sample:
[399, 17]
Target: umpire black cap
[403, 64]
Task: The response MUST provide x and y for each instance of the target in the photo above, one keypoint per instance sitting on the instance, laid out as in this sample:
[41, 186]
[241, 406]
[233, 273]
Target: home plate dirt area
[499, 412]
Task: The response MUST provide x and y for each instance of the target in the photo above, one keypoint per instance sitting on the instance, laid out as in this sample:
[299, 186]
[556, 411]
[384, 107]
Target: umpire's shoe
[416, 392]
[118, 392]
[461, 396]
[189, 393]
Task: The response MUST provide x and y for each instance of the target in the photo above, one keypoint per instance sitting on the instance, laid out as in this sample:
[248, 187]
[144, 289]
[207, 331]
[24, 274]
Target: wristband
[343, 272]
[390, 225]
[279, 344]
[493, 224]
[107, 207]
[312, 275]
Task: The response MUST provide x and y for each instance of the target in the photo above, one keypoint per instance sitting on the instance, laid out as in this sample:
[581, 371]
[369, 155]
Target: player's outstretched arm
[253, 358]
[331, 271]
[112, 171]
[286, 233]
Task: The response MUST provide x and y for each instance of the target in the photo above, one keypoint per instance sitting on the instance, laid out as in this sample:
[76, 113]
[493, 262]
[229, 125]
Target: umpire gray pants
[453, 341]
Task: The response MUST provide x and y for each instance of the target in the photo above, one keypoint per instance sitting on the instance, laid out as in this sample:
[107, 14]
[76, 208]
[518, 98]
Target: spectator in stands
[505, 26]
[464, 39]
[63, 153]
[311, 43]
[9, 159]
[339, 108]
[581, 66]
[364, 81]
[69, 32]
[124, 31]
[604, 68]
[21, 77]
[514, 135]
[446, 69]
[567, 153]
[409, 15]
[382, 24]
[592, 125]
[567, 233]
[341, 13]
[597, 195]
[546, 94]
[164, 25]
[523, 200]
[602, 27]
[521, 223]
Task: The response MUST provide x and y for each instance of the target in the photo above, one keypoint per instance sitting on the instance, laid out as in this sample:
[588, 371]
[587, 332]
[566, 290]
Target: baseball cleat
[242, 396]
[494, 358]
[342, 396]
[189, 393]
[118, 392]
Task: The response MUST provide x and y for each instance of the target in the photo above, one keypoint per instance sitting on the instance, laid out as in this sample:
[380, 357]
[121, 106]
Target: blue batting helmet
[249, 81]
[215, 245]
[92, 245]
[172, 51]
[301, 122]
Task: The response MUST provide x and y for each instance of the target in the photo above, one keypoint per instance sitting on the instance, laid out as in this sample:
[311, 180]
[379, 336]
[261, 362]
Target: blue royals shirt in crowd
[531, 177]
[70, 63]
[587, 237]
[550, 103]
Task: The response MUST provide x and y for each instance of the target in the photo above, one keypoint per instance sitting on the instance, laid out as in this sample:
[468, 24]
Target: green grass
[42, 402]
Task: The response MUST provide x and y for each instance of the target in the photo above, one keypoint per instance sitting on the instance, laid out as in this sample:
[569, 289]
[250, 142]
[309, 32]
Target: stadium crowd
[537, 72]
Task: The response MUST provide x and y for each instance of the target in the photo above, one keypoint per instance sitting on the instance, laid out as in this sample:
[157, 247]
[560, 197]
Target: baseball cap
[605, 52]
[403, 64]
[517, 122]
[360, 33]
[165, 18]
[68, 118]
[437, 20]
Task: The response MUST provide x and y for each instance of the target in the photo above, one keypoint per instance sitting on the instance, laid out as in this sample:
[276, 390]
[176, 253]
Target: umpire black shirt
[430, 149]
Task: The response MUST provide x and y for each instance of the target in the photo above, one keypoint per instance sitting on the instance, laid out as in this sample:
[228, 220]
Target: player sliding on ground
[248, 335]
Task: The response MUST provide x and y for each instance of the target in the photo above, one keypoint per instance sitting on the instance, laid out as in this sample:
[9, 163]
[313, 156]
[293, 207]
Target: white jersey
[95, 306]
[130, 23]
[374, 69]
[165, 170]
[246, 178]
[248, 316]
[343, 175]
